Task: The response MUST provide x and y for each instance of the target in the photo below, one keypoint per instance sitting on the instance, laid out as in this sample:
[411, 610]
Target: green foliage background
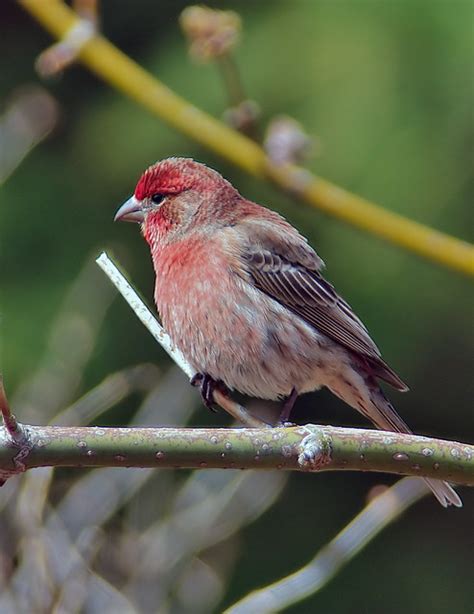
[387, 86]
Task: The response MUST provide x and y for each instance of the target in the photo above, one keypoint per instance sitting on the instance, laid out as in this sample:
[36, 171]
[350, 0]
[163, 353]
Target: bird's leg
[288, 406]
[207, 386]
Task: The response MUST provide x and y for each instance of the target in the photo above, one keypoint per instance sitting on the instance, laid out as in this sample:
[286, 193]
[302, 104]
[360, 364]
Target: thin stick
[9, 419]
[155, 328]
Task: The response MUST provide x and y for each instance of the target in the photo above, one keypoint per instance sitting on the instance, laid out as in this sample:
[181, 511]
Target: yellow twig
[109, 63]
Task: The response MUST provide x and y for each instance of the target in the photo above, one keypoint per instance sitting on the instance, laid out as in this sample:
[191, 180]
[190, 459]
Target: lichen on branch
[308, 448]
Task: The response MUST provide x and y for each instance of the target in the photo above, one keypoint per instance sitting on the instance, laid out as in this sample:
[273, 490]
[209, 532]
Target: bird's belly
[246, 339]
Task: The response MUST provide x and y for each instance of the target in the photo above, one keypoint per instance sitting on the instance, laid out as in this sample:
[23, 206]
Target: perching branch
[303, 448]
[320, 446]
[106, 61]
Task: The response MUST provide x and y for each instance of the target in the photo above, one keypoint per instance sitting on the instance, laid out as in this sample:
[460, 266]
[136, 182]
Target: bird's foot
[287, 408]
[207, 387]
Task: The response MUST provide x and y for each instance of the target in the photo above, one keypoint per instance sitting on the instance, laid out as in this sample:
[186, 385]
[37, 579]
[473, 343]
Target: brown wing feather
[309, 295]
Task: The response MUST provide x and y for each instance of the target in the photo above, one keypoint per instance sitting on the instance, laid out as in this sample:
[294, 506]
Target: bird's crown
[175, 175]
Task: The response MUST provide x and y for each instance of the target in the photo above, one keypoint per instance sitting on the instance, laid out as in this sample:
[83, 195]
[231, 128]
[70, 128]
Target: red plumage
[241, 294]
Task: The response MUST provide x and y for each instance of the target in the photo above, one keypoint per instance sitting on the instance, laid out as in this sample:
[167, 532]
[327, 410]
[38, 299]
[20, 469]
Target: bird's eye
[157, 199]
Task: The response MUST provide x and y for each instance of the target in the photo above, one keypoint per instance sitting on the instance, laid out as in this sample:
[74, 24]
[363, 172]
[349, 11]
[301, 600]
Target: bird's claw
[208, 386]
[196, 380]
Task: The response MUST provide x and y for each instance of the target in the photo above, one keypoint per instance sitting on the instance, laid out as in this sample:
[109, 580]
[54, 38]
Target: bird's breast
[200, 302]
[227, 328]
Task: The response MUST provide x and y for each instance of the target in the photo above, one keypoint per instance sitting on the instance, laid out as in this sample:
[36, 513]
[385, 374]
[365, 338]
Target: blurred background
[386, 91]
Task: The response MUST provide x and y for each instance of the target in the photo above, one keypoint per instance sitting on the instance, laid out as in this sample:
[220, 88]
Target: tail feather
[385, 417]
[377, 408]
[380, 368]
[445, 493]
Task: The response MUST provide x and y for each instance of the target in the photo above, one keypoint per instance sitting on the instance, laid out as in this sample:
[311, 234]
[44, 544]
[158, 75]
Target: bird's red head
[176, 175]
[169, 194]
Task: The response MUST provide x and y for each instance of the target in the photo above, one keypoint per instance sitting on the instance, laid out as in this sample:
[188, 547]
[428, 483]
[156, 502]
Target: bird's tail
[377, 408]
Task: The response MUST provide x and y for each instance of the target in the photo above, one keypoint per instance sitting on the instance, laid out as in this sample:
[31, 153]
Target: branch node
[315, 449]
[24, 448]
[12, 427]
[21, 442]
[63, 53]
[16, 434]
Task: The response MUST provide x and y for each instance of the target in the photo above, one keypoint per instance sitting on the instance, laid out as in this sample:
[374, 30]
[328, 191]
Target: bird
[241, 293]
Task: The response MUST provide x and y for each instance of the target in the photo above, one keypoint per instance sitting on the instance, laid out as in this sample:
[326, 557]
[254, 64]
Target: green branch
[119, 71]
[303, 448]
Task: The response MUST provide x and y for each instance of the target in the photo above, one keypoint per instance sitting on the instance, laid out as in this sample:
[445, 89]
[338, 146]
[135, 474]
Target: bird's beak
[130, 211]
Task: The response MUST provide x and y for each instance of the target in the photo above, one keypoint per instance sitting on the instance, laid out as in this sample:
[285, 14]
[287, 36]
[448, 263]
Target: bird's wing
[308, 294]
[296, 283]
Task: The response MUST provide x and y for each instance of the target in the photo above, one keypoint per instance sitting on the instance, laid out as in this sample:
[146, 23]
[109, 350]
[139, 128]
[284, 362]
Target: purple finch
[241, 294]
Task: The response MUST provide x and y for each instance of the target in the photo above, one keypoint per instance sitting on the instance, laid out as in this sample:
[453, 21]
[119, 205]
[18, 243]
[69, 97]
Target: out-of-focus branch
[212, 35]
[308, 580]
[62, 54]
[31, 114]
[302, 448]
[105, 60]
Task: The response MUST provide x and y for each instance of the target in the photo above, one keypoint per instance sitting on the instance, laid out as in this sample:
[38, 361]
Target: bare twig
[15, 439]
[152, 324]
[30, 115]
[9, 420]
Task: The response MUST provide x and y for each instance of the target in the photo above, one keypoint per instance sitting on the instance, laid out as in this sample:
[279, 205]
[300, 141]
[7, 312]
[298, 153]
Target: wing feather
[310, 296]
[278, 260]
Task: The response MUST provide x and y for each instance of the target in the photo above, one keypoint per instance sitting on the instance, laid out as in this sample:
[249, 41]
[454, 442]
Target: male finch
[240, 292]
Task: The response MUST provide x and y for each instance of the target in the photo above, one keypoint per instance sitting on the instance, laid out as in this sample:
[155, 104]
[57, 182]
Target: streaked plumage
[241, 294]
